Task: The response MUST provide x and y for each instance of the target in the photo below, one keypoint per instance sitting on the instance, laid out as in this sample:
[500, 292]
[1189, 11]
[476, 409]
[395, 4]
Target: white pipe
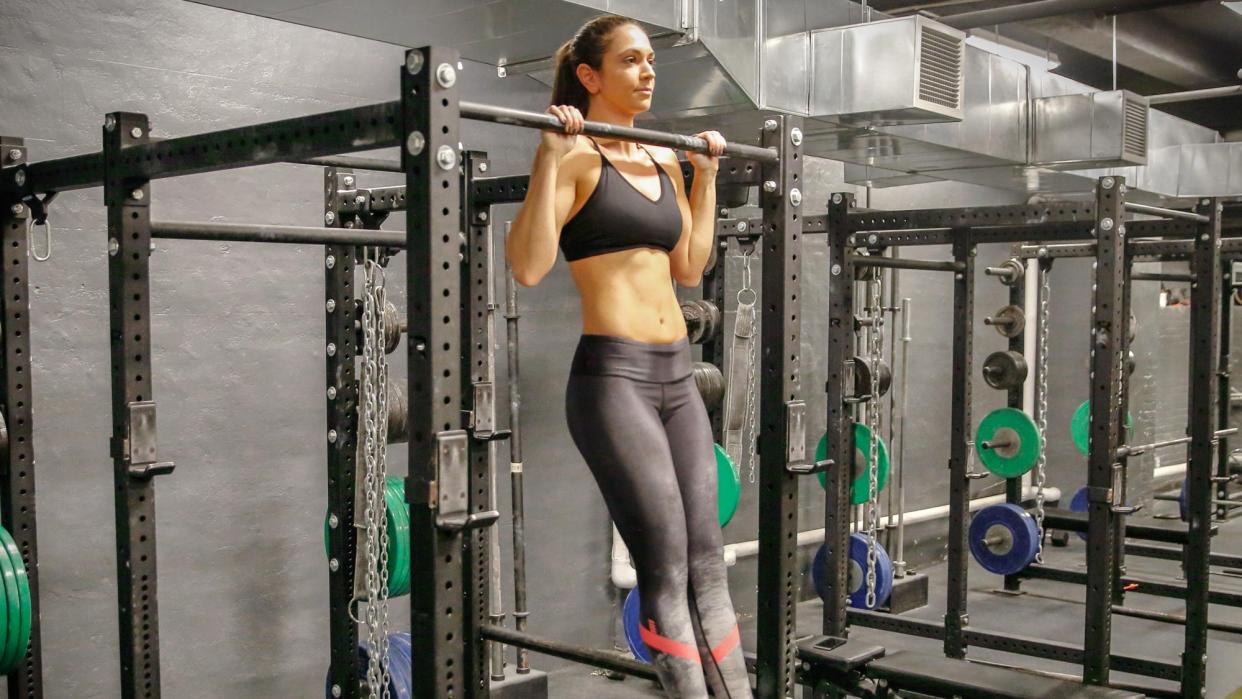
[744, 549]
[1166, 471]
[1030, 309]
[623, 575]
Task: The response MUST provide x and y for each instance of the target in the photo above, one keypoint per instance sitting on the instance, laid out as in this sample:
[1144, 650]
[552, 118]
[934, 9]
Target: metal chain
[375, 436]
[751, 400]
[875, 338]
[1041, 344]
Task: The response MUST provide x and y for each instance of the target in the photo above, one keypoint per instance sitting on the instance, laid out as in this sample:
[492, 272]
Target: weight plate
[1004, 370]
[1003, 538]
[728, 485]
[23, 592]
[401, 522]
[1078, 503]
[400, 672]
[1019, 438]
[400, 667]
[858, 573]
[710, 383]
[819, 572]
[631, 620]
[397, 519]
[856, 577]
[398, 522]
[1009, 321]
[1080, 426]
[862, 442]
[862, 376]
[13, 614]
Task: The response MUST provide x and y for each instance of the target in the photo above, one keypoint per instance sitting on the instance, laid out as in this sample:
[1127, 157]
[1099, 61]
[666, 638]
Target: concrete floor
[1047, 610]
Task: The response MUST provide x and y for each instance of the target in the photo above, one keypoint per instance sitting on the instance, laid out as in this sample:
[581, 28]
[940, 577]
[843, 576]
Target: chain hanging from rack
[374, 431]
[746, 300]
[1041, 345]
[875, 340]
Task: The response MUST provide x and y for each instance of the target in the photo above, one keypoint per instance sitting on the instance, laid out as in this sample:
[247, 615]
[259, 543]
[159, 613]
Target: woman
[628, 230]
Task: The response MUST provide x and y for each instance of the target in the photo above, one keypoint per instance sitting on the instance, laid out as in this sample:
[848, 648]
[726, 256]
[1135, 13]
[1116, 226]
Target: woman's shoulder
[667, 158]
[664, 155]
[579, 162]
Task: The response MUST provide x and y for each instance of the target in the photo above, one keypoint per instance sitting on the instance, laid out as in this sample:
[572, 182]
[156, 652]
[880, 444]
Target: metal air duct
[897, 71]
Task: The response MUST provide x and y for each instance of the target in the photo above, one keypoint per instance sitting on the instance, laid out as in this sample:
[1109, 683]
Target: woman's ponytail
[587, 46]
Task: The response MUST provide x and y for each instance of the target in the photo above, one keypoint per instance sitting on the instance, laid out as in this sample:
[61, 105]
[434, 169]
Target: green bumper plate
[22, 642]
[13, 614]
[728, 485]
[398, 522]
[1080, 426]
[862, 446]
[1020, 442]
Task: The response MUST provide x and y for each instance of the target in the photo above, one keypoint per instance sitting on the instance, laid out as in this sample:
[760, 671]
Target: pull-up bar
[534, 120]
[297, 235]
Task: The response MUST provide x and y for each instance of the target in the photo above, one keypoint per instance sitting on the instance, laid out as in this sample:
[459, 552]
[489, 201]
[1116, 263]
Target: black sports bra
[617, 216]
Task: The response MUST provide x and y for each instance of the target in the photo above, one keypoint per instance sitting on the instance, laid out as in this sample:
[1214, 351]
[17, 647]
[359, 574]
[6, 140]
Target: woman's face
[626, 78]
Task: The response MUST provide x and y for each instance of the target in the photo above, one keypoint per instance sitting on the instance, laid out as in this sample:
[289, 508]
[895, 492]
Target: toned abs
[627, 293]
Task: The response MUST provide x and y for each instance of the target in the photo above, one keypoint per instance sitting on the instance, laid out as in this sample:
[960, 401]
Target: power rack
[1114, 243]
[452, 419]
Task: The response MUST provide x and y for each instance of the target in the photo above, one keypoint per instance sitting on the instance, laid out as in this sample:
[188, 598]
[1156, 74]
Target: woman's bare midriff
[629, 293]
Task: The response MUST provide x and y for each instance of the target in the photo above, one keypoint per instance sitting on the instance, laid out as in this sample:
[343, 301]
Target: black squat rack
[17, 462]
[1163, 542]
[831, 661]
[451, 421]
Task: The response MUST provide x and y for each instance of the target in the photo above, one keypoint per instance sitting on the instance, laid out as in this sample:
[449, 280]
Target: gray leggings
[635, 414]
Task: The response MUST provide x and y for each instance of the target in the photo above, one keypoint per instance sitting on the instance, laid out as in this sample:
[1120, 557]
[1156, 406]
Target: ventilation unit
[897, 71]
[1097, 129]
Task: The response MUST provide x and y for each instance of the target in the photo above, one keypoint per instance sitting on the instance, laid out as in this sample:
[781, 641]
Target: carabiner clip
[38, 211]
[47, 240]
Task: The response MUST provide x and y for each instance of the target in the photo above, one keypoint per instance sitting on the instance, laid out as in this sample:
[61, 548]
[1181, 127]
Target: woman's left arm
[694, 249]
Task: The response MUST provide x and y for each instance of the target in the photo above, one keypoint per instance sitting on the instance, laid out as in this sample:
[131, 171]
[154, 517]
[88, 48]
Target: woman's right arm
[534, 234]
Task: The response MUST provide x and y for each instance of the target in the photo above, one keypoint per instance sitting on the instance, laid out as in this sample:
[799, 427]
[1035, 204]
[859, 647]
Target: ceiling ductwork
[900, 101]
[897, 71]
[1096, 129]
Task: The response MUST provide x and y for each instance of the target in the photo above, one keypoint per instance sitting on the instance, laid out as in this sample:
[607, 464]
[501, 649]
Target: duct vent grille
[940, 74]
[1134, 136]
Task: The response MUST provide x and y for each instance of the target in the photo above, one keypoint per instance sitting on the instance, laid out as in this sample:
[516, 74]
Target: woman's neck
[602, 112]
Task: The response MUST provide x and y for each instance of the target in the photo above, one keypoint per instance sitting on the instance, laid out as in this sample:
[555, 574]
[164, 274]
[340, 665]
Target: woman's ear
[588, 77]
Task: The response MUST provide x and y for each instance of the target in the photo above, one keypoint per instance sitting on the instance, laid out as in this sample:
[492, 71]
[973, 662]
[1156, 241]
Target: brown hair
[587, 46]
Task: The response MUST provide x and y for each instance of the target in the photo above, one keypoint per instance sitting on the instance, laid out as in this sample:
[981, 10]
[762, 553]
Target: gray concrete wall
[237, 341]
